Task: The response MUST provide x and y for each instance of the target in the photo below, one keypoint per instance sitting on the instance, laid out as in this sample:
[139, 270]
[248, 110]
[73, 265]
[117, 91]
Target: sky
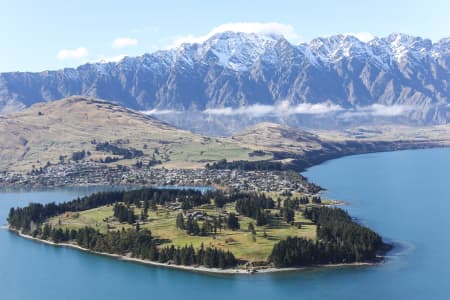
[53, 34]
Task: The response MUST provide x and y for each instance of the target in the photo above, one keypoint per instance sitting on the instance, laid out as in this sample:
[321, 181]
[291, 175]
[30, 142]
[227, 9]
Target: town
[92, 173]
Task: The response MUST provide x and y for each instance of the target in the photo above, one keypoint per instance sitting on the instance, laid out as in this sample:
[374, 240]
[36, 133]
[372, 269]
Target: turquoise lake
[404, 195]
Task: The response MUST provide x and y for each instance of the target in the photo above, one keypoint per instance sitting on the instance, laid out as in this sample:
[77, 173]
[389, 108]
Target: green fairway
[162, 225]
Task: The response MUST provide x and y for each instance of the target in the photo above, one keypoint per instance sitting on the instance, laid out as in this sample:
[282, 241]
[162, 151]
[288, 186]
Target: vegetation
[139, 244]
[294, 165]
[233, 222]
[340, 240]
[36, 213]
[212, 228]
[115, 150]
[124, 214]
[78, 155]
[246, 165]
[254, 205]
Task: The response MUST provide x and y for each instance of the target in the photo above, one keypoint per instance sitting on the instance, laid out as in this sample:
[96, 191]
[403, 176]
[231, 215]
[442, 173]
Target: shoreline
[380, 259]
[199, 269]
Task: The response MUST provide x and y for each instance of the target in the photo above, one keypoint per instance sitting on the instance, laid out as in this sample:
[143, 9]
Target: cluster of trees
[139, 244]
[153, 162]
[207, 227]
[245, 165]
[108, 160]
[316, 200]
[249, 204]
[339, 240]
[189, 198]
[36, 213]
[233, 222]
[288, 211]
[115, 150]
[295, 203]
[335, 225]
[187, 255]
[36, 171]
[78, 155]
[254, 206]
[303, 200]
[191, 225]
[295, 165]
[124, 214]
[257, 153]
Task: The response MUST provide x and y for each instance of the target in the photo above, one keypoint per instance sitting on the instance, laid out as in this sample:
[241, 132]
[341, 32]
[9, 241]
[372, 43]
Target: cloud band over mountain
[283, 109]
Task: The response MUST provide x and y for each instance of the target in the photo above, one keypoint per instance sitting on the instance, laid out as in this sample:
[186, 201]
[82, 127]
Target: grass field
[162, 225]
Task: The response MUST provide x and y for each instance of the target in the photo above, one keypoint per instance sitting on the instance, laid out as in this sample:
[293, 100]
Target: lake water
[404, 195]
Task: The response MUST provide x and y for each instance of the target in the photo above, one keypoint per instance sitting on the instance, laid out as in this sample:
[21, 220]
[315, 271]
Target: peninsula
[261, 214]
[212, 231]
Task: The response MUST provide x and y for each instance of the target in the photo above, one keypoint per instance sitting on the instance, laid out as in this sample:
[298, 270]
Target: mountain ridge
[239, 70]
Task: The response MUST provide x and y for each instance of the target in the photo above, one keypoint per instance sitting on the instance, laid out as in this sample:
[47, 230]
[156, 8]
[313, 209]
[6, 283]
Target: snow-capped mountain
[235, 70]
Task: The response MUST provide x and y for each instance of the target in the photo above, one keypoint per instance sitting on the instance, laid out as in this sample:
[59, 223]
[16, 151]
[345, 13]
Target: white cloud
[362, 36]
[105, 59]
[160, 112]
[313, 109]
[269, 28]
[256, 110]
[122, 42]
[387, 110]
[72, 53]
[281, 109]
[378, 110]
[284, 108]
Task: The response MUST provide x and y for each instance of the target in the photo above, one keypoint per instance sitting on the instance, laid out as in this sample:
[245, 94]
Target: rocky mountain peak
[239, 70]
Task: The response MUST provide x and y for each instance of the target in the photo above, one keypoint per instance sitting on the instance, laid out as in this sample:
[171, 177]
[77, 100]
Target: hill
[302, 149]
[85, 129]
[55, 131]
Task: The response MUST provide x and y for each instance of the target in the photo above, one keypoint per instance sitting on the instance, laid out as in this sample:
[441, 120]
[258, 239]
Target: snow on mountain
[232, 69]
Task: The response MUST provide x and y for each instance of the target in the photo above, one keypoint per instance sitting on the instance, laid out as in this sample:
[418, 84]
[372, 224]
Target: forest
[139, 244]
[339, 240]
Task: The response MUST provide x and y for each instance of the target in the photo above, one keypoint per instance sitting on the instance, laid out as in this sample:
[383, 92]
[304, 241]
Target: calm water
[403, 195]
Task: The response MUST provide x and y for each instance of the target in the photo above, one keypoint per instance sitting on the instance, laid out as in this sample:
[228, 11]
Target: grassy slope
[43, 132]
[276, 137]
[162, 225]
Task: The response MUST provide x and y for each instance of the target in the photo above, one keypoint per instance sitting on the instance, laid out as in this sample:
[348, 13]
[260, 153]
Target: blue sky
[52, 34]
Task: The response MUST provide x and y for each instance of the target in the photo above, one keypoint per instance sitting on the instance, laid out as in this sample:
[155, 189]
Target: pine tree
[180, 221]
[251, 228]
[233, 222]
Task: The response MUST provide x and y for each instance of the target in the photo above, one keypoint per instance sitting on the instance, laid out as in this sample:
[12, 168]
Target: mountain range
[251, 77]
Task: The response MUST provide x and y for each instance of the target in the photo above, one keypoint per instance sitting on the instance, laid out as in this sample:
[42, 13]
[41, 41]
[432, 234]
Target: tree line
[245, 165]
[296, 165]
[251, 205]
[139, 244]
[254, 206]
[209, 226]
[115, 150]
[339, 240]
[37, 213]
